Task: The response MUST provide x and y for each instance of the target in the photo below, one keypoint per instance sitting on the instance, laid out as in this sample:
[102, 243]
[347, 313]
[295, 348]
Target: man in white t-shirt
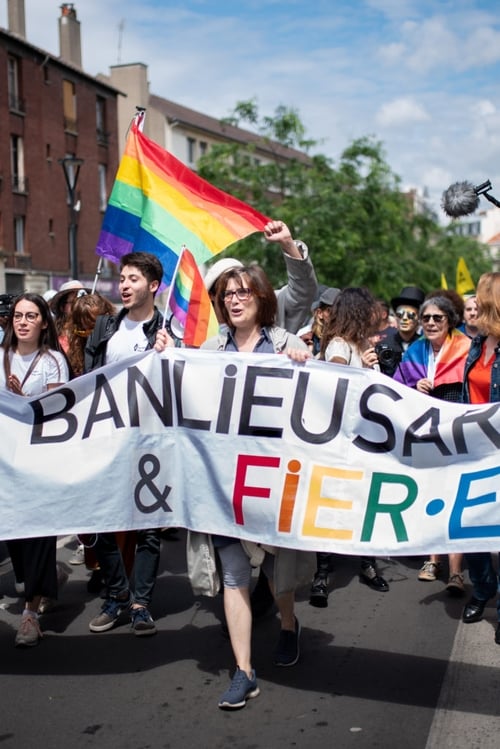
[115, 338]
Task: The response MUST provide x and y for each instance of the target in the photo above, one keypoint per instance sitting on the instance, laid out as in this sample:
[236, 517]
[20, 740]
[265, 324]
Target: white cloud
[401, 111]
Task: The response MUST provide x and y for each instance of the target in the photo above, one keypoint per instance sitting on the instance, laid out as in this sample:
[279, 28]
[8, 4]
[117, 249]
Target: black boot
[368, 575]
[319, 588]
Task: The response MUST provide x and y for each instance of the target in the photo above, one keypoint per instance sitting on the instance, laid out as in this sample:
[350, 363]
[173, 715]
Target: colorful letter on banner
[157, 205]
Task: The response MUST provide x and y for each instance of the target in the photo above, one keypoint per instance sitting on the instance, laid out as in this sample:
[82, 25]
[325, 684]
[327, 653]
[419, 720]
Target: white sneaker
[78, 556]
[29, 633]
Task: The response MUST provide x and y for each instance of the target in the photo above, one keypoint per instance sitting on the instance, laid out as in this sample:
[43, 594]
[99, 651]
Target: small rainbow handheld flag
[190, 302]
[157, 205]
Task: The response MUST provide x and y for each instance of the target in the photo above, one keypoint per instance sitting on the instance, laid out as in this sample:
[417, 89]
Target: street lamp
[71, 168]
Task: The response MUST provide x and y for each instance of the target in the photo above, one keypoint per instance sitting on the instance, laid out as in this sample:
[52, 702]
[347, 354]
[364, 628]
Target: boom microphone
[462, 198]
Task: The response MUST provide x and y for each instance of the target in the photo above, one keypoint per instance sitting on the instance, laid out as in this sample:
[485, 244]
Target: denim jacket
[474, 354]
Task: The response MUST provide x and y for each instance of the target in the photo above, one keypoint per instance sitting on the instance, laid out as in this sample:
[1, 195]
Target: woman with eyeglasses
[32, 364]
[247, 305]
[482, 385]
[434, 365]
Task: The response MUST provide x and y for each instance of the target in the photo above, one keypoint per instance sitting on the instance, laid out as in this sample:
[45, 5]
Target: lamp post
[71, 168]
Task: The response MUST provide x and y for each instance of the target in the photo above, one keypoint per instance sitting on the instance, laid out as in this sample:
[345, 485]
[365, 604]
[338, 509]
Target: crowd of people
[437, 343]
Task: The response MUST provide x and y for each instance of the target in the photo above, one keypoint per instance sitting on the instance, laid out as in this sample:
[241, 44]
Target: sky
[420, 76]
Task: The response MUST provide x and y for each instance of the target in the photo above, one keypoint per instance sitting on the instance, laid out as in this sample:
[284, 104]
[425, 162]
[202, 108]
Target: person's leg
[319, 588]
[287, 651]
[369, 575]
[35, 562]
[116, 581]
[147, 559]
[236, 573]
[484, 585]
[111, 563]
[455, 586]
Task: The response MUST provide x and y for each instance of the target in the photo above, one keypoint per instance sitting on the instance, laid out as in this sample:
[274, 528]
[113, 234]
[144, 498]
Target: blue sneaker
[242, 689]
[111, 610]
[142, 622]
[288, 650]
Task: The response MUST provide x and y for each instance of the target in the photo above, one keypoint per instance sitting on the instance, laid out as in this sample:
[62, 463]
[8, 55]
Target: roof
[495, 239]
[48, 56]
[184, 115]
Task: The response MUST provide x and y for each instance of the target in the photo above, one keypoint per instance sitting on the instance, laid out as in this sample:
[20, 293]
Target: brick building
[51, 110]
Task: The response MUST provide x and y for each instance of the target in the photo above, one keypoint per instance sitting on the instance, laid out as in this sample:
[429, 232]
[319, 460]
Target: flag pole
[172, 282]
[97, 274]
[138, 118]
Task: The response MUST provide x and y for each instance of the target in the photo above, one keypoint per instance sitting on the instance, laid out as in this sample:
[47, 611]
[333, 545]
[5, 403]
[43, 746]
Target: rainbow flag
[190, 302]
[449, 367]
[158, 205]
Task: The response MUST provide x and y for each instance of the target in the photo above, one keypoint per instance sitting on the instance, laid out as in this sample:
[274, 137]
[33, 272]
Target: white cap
[218, 268]
[70, 286]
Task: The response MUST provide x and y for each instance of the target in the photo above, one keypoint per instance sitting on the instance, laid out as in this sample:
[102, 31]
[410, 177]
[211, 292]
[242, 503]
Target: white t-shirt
[129, 339]
[339, 347]
[50, 369]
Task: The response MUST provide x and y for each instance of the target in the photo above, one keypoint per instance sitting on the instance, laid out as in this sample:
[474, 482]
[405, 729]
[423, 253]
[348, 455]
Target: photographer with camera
[393, 342]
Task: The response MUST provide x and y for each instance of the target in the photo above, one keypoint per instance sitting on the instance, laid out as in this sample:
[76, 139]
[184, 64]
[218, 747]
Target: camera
[6, 302]
[387, 357]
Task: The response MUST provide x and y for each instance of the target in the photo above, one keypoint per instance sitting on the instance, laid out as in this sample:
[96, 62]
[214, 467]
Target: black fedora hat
[410, 295]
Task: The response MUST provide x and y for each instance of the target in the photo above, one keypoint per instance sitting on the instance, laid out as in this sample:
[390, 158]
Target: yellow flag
[444, 284]
[465, 284]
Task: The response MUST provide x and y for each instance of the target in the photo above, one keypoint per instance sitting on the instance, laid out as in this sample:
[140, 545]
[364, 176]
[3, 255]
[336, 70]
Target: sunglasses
[404, 313]
[435, 318]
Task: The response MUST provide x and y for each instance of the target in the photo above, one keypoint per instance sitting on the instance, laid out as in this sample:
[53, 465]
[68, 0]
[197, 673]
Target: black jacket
[105, 327]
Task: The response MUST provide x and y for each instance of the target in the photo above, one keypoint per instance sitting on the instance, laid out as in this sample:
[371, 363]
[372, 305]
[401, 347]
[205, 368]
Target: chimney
[17, 21]
[70, 49]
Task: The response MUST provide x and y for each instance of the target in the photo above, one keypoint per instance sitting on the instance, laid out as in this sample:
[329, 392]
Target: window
[19, 181]
[103, 194]
[100, 119]
[69, 104]
[191, 144]
[13, 83]
[203, 148]
[19, 227]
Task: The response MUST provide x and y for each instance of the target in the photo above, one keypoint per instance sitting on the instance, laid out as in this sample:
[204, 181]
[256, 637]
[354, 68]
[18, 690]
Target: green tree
[361, 229]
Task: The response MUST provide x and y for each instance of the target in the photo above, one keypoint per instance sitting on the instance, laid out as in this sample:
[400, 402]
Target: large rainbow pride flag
[158, 205]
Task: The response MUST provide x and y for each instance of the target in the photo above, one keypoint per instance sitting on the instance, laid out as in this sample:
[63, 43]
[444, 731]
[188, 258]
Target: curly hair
[488, 304]
[354, 317]
[84, 313]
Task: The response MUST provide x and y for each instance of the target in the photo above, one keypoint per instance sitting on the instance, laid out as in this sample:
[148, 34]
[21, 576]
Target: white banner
[317, 457]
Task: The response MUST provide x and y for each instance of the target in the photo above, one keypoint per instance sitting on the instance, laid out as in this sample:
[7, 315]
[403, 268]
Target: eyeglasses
[28, 316]
[242, 295]
[436, 318]
[405, 314]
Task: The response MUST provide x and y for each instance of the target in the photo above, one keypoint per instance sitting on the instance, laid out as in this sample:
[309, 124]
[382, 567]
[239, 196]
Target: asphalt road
[390, 670]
